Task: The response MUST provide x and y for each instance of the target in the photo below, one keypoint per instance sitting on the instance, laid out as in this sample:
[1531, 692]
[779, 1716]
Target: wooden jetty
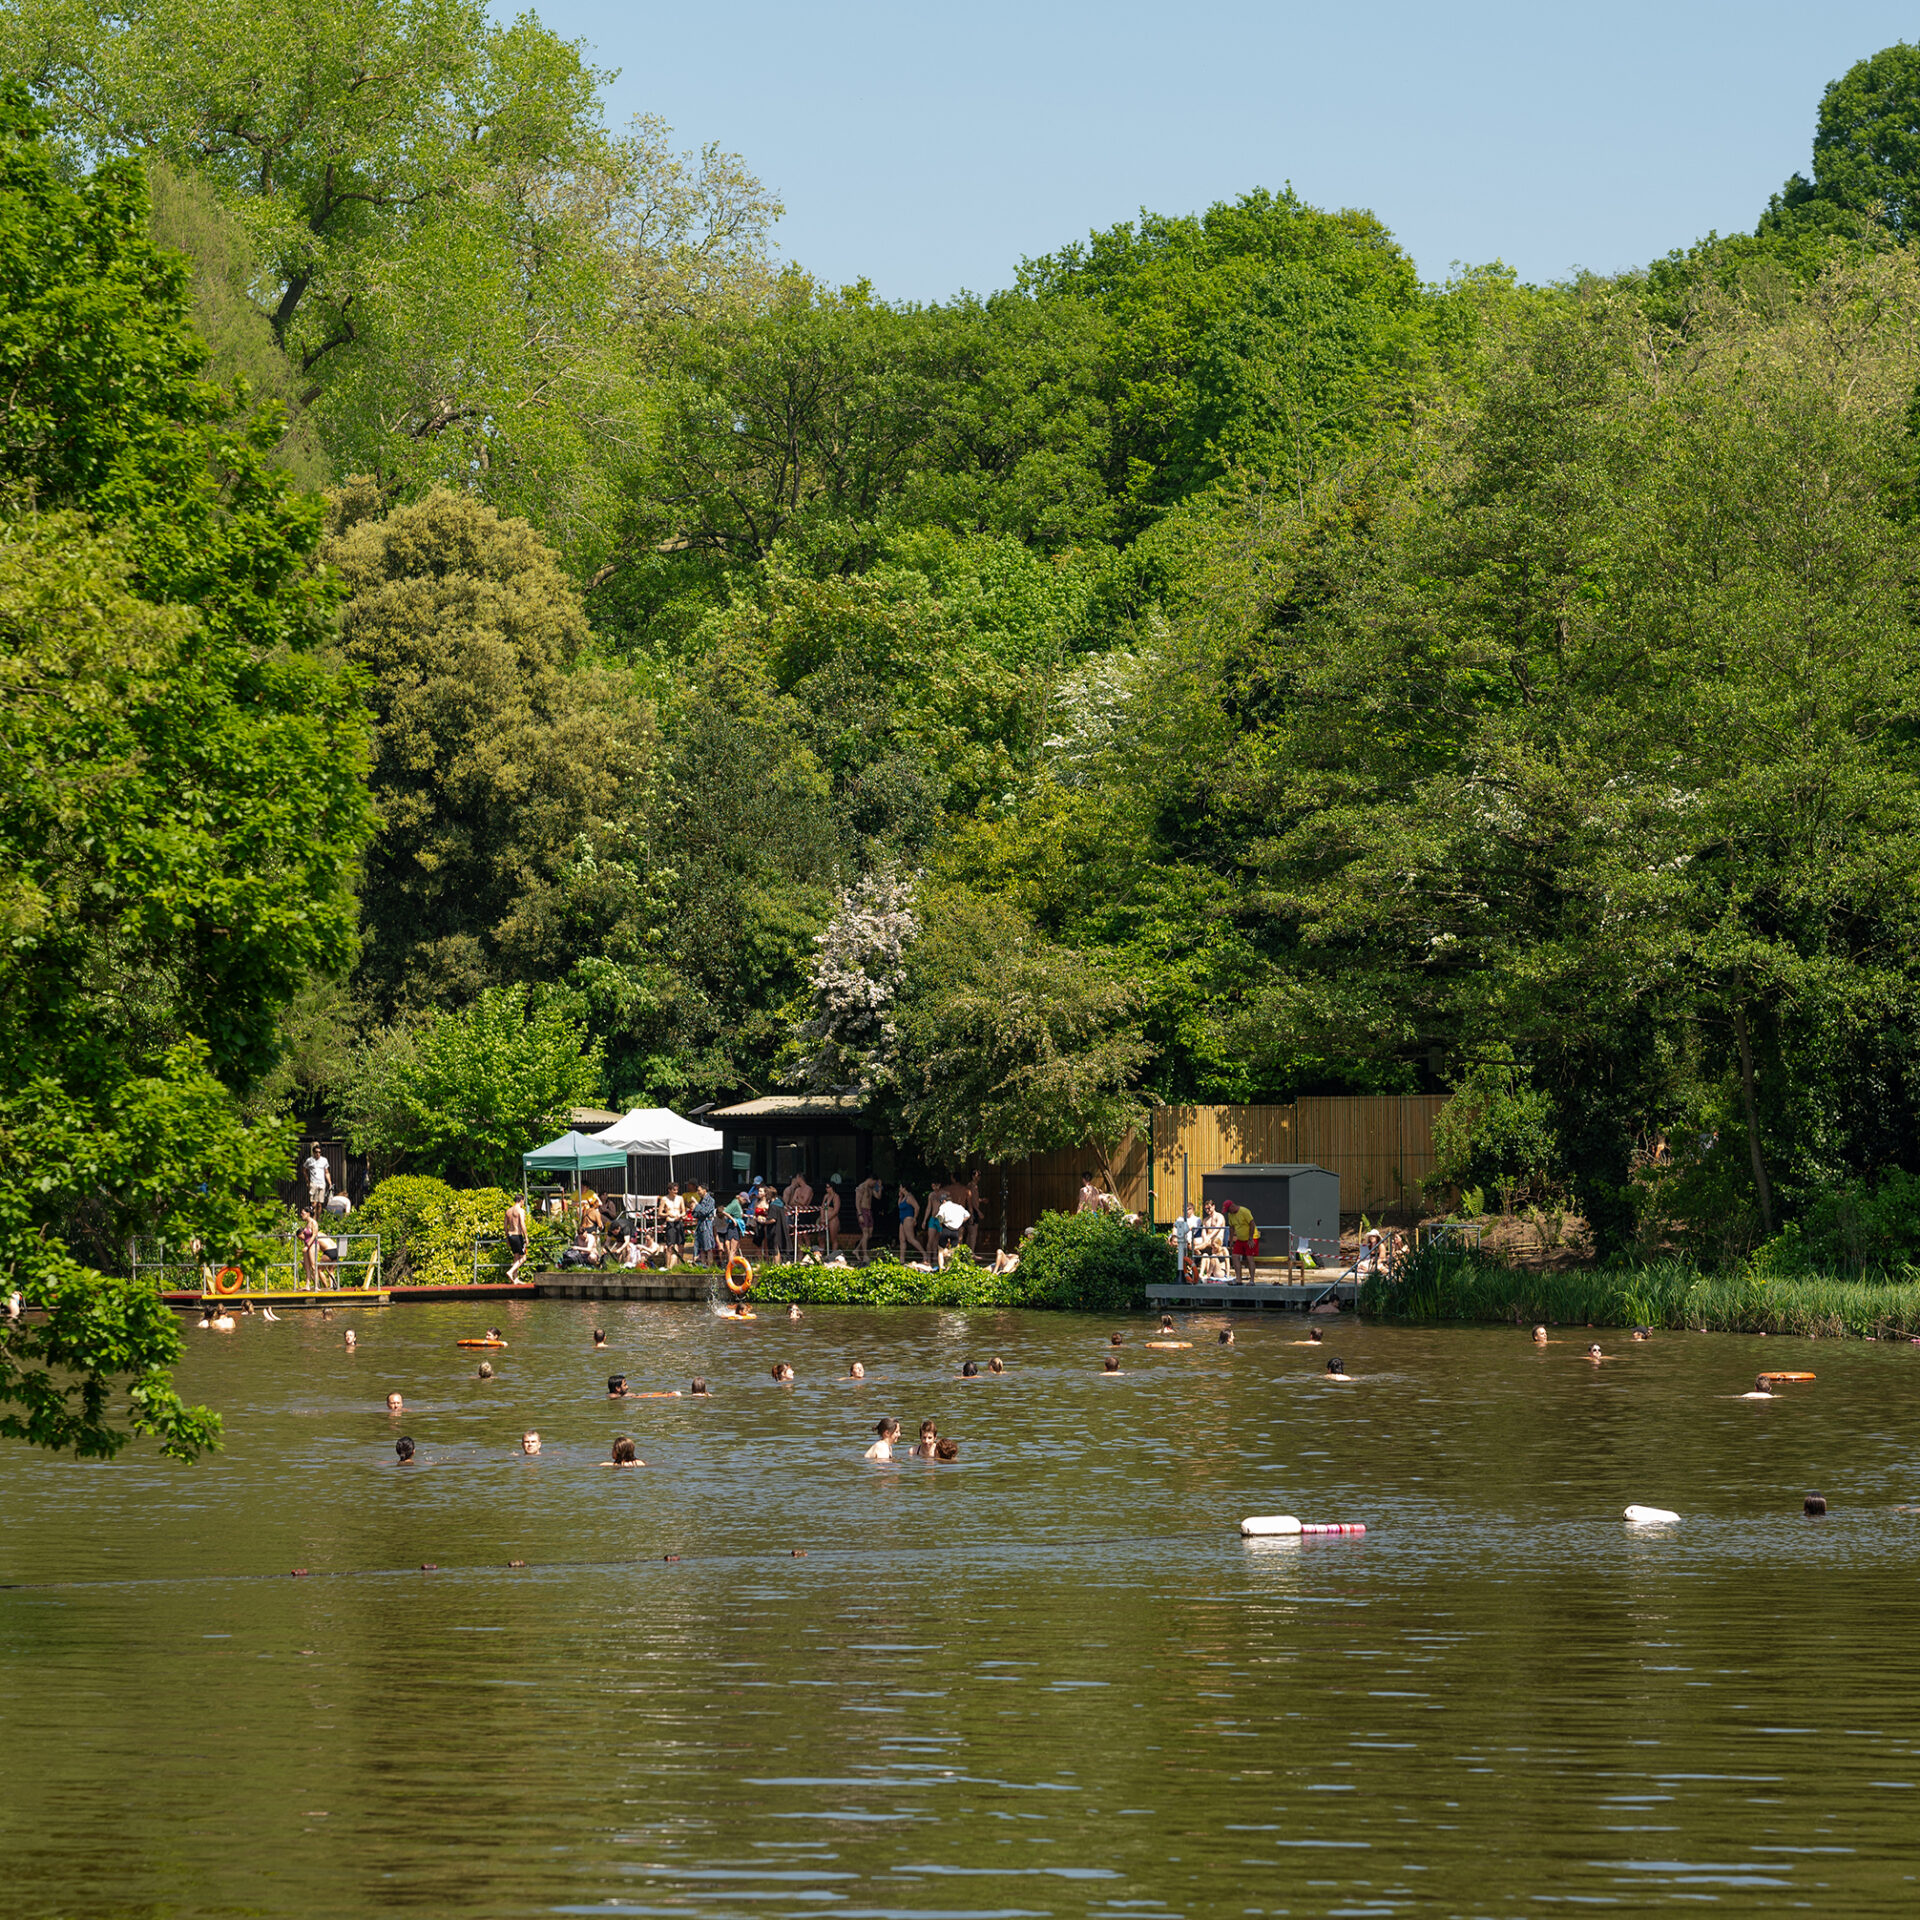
[193, 1300]
[623, 1284]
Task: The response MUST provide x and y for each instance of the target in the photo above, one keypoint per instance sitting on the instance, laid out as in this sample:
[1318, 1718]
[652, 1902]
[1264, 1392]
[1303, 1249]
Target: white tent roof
[660, 1130]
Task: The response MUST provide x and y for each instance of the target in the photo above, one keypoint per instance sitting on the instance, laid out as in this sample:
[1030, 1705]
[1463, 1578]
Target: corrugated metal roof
[785, 1106]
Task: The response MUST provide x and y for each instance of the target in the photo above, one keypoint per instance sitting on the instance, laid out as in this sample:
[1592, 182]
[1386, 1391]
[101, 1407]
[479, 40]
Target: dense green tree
[183, 807]
[465, 1094]
[499, 747]
[1866, 153]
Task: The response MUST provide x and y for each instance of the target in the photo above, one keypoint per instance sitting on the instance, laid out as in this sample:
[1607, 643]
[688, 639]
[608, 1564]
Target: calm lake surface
[1050, 1679]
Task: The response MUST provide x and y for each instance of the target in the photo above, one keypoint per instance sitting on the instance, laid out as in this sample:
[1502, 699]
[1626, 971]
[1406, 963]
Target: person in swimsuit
[673, 1217]
[929, 1440]
[309, 1237]
[888, 1431]
[529, 1442]
[909, 1212]
[624, 1454]
[866, 1196]
[829, 1219]
[516, 1231]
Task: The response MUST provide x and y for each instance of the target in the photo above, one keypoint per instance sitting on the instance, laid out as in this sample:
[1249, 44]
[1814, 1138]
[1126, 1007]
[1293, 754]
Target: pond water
[1050, 1679]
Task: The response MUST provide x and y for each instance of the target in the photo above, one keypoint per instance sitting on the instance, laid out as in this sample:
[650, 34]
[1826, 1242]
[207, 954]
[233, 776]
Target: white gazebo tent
[661, 1131]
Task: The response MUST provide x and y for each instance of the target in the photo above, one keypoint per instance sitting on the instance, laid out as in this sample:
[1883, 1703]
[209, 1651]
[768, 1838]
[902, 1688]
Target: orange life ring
[225, 1274]
[739, 1260]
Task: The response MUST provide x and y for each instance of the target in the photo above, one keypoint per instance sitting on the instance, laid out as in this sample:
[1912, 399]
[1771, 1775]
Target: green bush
[885, 1284]
[1092, 1262]
[1440, 1284]
[427, 1230]
[1863, 1228]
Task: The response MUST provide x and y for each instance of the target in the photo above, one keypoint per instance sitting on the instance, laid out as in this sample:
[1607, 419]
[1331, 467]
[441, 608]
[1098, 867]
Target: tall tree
[183, 807]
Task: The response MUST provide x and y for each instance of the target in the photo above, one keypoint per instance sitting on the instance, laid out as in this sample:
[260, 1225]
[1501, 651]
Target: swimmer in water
[946, 1449]
[1761, 1391]
[782, 1372]
[793, 1313]
[1593, 1352]
[1539, 1336]
[996, 1365]
[929, 1440]
[395, 1404]
[599, 1339]
[698, 1389]
[617, 1386]
[349, 1339]
[1166, 1323]
[404, 1448]
[971, 1371]
[1337, 1371]
[1119, 1340]
[1641, 1333]
[494, 1333]
[529, 1443]
[1111, 1364]
[486, 1369]
[887, 1431]
[1226, 1336]
[856, 1371]
[624, 1454]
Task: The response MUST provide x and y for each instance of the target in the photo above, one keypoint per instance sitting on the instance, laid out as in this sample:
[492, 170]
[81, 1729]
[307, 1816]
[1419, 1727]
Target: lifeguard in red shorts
[1243, 1237]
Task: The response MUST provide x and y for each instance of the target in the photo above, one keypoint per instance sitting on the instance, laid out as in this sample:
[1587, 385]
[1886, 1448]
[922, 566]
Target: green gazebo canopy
[573, 1153]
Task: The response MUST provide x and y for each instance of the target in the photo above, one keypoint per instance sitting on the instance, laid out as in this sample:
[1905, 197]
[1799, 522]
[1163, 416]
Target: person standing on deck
[1243, 1237]
[319, 1177]
[516, 1232]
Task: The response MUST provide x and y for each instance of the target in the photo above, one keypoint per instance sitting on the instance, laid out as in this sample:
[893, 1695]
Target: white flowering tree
[846, 1037]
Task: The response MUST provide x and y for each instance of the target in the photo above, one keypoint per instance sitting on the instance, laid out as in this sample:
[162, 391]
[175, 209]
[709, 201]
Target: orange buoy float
[225, 1275]
[741, 1261]
[1168, 1346]
[1796, 1377]
[479, 1343]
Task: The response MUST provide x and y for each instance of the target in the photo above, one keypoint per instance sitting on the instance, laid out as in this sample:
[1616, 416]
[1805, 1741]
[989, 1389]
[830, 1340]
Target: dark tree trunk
[1760, 1186]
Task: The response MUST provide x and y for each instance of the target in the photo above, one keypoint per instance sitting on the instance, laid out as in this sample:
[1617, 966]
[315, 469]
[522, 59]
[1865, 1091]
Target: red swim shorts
[1246, 1249]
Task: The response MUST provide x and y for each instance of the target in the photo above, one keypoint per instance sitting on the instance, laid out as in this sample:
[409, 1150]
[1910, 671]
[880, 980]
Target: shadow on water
[1047, 1679]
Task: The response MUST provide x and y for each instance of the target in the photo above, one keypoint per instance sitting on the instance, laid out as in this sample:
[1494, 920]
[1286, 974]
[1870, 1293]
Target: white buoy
[1650, 1516]
[1270, 1523]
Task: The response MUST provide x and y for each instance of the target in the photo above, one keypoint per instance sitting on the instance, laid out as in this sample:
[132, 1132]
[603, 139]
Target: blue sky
[928, 149]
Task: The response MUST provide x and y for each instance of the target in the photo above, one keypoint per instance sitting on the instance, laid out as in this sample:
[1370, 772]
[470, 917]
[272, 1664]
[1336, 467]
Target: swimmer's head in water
[946, 1450]
[1641, 1333]
[1539, 1336]
[395, 1404]
[1166, 1323]
[887, 1429]
[856, 1371]
[1119, 1339]
[698, 1388]
[623, 1452]
[403, 1447]
[1226, 1336]
[1315, 1335]
[1814, 1505]
[971, 1369]
[1593, 1350]
[616, 1384]
[1336, 1365]
[781, 1371]
[1761, 1384]
[599, 1338]
[529, 1443]
[793, 1313]
[1111, 1364]
[927, 1430]
[486, 1369]
[349, 1336]
[996, 1365]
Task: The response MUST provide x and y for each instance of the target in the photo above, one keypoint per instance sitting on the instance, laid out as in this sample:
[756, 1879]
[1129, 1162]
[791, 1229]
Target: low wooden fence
[1381, 1146]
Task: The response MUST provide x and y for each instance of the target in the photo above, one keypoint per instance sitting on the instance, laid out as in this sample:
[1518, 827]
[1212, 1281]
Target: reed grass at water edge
[1443, 1285]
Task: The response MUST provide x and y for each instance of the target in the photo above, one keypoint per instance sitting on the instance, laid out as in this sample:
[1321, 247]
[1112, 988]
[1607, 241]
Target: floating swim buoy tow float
[1168, 1346]
[741, 1261]
[479, 1343]
[229, 1280]
[1650, 1516]
[1262, 1525]
[1774, 1378]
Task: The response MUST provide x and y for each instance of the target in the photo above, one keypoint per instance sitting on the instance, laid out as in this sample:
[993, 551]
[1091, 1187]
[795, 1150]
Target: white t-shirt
[951, 1215]
[319, 1175]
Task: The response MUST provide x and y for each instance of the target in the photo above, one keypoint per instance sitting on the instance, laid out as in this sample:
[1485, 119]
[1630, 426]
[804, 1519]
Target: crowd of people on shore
[696, 1225]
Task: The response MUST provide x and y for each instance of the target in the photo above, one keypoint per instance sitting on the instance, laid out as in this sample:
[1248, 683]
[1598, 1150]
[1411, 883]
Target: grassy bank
[1667, 1294]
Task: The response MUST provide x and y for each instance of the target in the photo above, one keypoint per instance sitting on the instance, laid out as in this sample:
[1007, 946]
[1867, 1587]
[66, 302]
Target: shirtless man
[866, 1196]
[516, 1231]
